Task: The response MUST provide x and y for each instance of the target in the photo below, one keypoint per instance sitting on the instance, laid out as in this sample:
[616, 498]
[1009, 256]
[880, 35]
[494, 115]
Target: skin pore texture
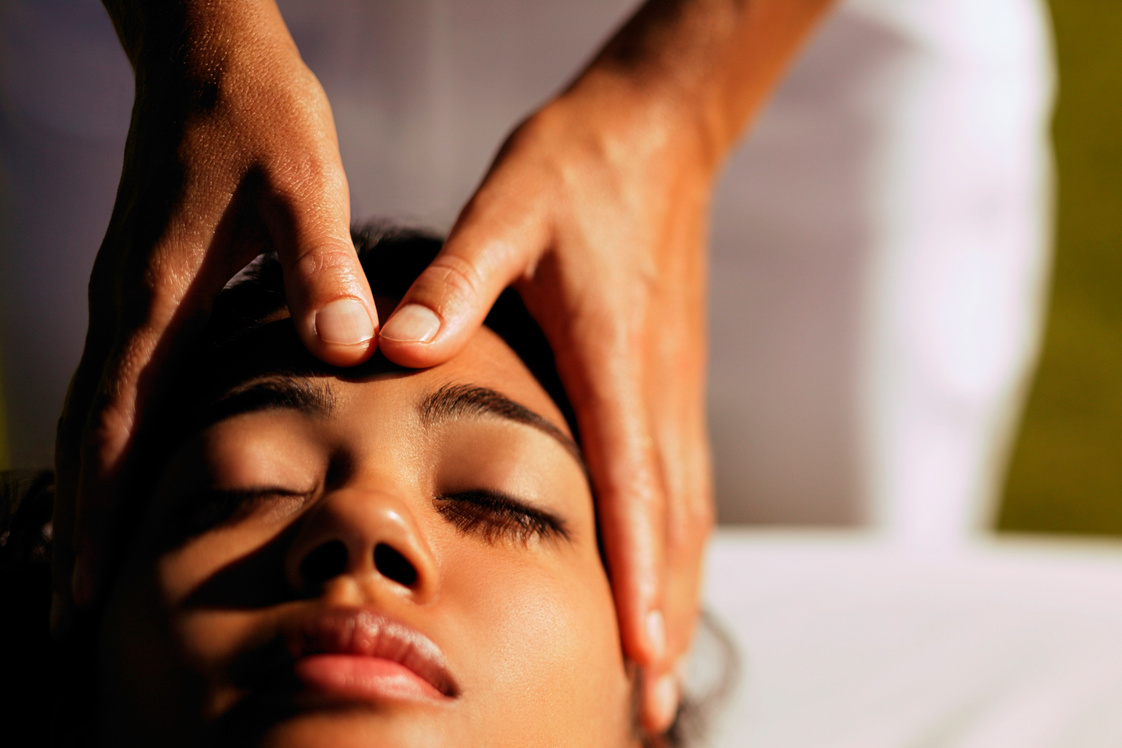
[371, 555]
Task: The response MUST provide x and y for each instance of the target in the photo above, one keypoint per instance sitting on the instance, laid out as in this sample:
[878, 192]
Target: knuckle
[703, 518]
[107, 430]
[112, 411]
[691, 520]
[323, 264]
[309, 175]
[299, 155]
[148, 297]
[456, 281]
[312, 261]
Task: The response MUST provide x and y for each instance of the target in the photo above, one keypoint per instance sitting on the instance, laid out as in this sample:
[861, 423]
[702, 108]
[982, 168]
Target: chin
[352, 729]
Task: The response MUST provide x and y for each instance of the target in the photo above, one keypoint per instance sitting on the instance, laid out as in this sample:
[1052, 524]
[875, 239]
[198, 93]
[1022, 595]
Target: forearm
[706, 65]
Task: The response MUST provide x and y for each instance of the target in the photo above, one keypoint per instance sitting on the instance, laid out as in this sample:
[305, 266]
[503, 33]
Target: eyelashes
[215, 508]
[492, 516]
[495, 517]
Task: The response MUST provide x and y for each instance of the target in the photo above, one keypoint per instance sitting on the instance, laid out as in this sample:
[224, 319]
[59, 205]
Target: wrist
[706, 66]
[644, 120]
[194, 40]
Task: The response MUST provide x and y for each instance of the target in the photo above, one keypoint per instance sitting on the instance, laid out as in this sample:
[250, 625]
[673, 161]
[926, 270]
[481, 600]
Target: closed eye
[494, 516]
[213, 508]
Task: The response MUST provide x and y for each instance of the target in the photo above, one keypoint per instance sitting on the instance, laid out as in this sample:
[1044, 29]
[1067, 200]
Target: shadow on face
[376, 555]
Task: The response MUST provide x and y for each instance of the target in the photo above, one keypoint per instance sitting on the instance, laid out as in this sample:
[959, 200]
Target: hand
[596, 211]
[231, 149]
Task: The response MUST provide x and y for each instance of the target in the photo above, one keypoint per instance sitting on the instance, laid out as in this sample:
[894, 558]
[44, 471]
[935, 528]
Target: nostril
[323, 563]
[394, 566]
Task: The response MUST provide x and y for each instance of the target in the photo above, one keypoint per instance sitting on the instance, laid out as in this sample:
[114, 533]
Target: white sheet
[849, 642]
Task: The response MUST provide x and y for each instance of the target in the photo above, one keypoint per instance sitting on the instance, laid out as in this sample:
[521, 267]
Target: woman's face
[394, 559]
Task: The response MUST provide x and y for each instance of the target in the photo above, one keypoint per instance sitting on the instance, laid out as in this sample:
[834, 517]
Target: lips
[359, 653]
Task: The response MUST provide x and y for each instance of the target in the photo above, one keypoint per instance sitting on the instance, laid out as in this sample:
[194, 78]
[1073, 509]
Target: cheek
[145, 683]
[549, 642]
[216, 596]
[165, 668]
[163, 662]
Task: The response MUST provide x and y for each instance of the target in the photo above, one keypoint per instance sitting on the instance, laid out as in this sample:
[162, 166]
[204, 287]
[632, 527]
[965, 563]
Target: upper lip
[362, 632]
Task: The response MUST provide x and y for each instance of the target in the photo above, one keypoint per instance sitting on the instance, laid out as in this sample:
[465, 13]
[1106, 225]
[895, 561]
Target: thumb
[326, 288]
[491, 245]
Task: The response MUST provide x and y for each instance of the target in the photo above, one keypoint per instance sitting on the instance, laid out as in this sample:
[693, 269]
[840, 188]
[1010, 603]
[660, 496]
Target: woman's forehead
[270, 365]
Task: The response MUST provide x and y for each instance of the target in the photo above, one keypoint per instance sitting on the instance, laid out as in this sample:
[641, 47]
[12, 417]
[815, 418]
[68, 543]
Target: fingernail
[656, 635]
[81, 583]
[666, 700]
[344, 322]
[412, 323]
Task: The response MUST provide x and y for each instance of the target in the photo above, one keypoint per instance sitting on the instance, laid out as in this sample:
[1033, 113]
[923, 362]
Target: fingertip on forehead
[392, 258]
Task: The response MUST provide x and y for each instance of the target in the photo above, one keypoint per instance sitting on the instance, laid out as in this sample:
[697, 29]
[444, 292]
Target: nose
[369, 535]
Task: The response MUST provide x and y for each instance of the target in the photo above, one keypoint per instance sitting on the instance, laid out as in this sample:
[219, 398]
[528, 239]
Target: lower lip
[362, 678]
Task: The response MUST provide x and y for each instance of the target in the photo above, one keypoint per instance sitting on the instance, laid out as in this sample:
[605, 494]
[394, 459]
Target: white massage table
[848, 642]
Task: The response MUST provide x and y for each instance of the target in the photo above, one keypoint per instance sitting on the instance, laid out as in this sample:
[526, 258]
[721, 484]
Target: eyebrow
[289, 391]
[458, 400]
[314, 398]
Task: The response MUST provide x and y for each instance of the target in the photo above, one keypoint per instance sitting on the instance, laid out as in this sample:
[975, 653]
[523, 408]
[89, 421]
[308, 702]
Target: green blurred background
[1066, 471]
